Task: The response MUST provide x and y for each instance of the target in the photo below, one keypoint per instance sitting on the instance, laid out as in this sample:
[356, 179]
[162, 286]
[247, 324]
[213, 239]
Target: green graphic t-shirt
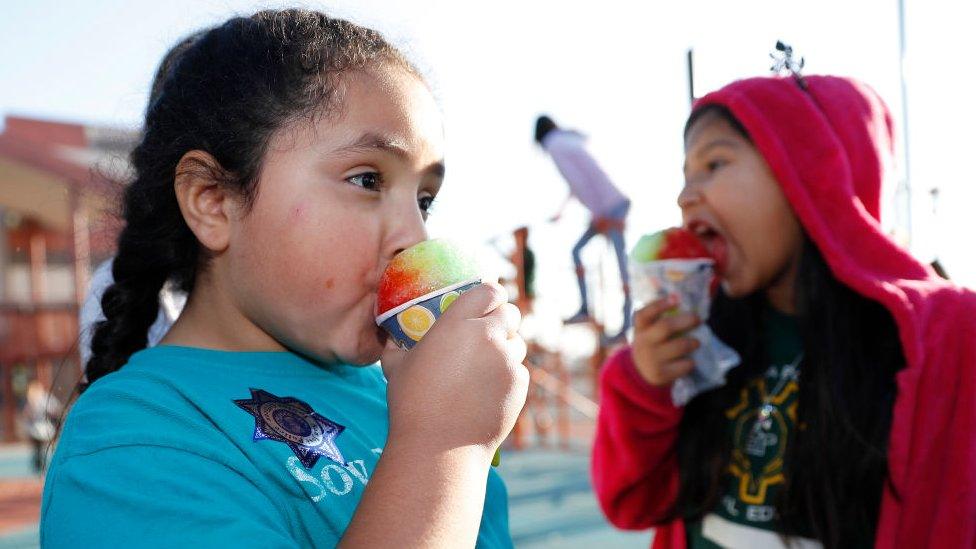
[761, 423]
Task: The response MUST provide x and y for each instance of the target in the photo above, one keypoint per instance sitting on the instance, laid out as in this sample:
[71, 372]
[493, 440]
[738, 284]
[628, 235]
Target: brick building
[58, 188]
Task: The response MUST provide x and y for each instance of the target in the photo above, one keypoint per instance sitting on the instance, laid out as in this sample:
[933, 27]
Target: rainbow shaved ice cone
[673, 243]
[674, 262]
[418, 285]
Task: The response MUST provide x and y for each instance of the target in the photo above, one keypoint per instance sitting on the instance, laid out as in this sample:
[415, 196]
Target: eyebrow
[719, 143]
[371, 141]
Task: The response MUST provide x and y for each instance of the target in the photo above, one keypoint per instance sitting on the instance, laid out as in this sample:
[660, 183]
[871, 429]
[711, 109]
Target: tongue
[718, 249]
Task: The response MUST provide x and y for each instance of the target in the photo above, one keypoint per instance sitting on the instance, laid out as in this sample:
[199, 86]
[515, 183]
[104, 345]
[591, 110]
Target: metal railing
[554, 405]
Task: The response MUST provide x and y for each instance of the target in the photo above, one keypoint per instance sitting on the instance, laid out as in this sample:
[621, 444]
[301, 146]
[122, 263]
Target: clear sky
[615, 70]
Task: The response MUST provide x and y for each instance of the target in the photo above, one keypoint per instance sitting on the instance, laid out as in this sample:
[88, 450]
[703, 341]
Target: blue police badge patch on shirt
[292, 421]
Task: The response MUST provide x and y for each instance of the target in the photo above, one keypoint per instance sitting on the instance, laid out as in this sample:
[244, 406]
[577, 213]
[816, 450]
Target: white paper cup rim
[380, 319]
[675, 262]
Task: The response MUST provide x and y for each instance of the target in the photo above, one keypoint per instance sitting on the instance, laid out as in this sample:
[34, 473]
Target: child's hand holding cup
[671, 272]
[418, 287]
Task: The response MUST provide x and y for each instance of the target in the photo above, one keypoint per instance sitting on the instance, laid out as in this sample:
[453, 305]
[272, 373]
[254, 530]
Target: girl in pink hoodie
[850, 422]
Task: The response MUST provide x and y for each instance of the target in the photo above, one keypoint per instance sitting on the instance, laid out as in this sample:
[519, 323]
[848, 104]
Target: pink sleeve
[634, 468]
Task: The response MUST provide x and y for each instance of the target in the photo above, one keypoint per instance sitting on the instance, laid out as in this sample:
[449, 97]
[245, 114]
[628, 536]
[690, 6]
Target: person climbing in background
[591, 186]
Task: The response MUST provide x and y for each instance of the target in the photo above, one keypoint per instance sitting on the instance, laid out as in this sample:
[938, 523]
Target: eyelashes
[426, 203]
[373, 181]
[716, 164]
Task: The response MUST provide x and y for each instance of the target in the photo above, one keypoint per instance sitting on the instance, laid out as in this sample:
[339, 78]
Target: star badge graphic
[292, 421]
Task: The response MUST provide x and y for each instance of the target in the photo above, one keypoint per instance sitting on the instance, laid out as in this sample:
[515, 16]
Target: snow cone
[418, 285]
[674, 262]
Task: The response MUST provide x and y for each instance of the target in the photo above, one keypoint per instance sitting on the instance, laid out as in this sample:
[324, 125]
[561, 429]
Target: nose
[406, 228]
[689, 196]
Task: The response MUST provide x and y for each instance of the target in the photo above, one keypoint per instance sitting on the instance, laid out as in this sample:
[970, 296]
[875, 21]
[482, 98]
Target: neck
[212, 320]
[781, 294]
[782, 300]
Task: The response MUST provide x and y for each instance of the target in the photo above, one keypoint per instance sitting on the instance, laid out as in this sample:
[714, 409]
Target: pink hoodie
[826, 145]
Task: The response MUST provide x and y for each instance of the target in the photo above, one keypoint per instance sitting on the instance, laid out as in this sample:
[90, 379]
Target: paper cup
[689, 279]
[408, 323]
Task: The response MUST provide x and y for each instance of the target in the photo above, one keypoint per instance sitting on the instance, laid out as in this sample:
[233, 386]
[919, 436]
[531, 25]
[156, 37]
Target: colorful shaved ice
[423, 269]
[673, 243]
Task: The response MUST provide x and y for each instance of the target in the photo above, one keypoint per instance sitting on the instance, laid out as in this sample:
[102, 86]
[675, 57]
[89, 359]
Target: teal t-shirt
[187, 446]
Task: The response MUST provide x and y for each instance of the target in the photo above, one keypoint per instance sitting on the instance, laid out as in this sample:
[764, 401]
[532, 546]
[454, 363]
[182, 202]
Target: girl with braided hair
[287, 157]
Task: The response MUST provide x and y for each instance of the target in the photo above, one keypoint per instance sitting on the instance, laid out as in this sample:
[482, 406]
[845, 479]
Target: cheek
[773, 229]
[733, 204]
[752, 217]
[306, 256]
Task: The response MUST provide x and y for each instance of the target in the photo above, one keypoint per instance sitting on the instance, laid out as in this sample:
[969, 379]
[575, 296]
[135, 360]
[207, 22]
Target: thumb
[478, 301]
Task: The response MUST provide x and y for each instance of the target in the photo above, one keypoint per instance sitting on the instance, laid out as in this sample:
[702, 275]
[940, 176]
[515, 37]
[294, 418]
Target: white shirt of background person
[171, 302]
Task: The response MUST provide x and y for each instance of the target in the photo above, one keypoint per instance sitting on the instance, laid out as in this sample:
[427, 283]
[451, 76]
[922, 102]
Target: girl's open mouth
[714, 242]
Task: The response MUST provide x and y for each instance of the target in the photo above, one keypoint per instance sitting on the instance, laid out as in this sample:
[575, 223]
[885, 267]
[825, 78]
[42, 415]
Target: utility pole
[903, 193]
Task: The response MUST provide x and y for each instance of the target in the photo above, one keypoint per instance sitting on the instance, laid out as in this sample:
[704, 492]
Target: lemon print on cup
[415, 322]
[447, 300]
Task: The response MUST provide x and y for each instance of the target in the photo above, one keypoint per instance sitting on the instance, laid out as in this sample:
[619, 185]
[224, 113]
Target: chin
[735, 289]
[363, 359]
[360, 352]
[368, 351]
[360, 357]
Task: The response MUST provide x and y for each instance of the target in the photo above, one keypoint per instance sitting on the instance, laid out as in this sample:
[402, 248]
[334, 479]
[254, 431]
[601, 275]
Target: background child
[287, 158]
[592, 187]
[849, 422]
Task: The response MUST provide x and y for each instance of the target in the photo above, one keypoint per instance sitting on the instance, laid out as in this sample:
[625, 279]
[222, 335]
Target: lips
[714, 242]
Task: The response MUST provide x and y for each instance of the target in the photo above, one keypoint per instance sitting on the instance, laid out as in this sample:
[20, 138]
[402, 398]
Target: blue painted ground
[552, 503]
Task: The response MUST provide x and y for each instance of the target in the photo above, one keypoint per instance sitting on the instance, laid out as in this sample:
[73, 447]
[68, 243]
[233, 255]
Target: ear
[208, 206]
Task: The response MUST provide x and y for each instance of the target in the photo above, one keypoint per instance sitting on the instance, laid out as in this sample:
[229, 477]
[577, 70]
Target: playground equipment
[561, 408]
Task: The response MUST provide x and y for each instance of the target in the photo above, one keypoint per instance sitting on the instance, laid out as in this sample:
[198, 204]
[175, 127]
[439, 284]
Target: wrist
[421, 446]
[633, 371]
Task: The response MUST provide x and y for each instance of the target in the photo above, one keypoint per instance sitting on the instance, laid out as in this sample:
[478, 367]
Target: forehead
[709, 127]
[390, 103]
